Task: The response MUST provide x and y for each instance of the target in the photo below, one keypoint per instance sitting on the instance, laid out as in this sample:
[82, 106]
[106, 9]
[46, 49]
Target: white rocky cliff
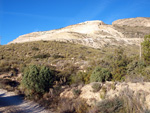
[95, 33]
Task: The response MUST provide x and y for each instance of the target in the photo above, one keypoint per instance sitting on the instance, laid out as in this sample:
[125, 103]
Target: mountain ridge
[95, 33]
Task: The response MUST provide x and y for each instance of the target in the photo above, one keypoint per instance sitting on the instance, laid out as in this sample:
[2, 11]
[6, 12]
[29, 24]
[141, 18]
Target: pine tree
[37, 79]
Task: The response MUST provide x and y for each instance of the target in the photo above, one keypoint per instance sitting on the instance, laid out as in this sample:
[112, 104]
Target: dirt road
[12, 103]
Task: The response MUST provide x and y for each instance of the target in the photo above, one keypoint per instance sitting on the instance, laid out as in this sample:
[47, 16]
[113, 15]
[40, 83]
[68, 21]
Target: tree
[37, 79]
[45, 78]
[119, 64]
[146, 49]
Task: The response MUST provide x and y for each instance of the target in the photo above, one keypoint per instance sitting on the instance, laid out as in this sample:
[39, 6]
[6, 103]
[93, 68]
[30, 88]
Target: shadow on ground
[10, 100]
[17, 104]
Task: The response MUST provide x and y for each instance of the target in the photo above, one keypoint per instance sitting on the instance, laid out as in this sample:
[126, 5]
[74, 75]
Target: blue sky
[18, 17]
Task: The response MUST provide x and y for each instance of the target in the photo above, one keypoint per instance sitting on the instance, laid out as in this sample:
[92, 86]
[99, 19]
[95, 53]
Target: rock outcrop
[95, 33]
[139, 91]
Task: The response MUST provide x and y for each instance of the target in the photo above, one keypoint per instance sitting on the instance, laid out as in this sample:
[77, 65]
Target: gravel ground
[12, 103]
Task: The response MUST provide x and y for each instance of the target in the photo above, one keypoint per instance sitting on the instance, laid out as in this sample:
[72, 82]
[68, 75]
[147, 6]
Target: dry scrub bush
[73, 106]
[126, 102]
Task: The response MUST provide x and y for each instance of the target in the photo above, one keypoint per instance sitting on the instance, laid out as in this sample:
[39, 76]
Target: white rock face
[93, 33]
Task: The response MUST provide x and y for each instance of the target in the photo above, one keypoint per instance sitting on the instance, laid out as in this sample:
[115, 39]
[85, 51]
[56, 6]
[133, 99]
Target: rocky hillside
[95, 33]
[135, 22]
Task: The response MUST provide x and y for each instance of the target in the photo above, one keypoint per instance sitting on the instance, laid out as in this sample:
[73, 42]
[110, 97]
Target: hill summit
[95, 33]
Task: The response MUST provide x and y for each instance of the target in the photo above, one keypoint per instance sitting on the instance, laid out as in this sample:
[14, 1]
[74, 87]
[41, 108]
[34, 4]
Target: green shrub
[113, 87]
[136, 68]
[146, 49]
[41, 56]
[55, 56]
[76, 92]
[96, 87]
[133, 67]
[35, 48]
[79, 77]
[37, 79]
[146, 73]
[100, 75]
[103, 93]
[75, 79]
[119, 65]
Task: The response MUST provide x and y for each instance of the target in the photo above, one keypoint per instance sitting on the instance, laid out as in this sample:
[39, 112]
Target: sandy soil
[12, 103]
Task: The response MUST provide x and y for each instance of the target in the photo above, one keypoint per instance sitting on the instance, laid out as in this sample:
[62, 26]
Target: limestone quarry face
[95, 33]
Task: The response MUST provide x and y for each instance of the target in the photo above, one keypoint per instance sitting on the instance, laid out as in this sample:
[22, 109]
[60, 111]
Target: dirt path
[12, 103]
